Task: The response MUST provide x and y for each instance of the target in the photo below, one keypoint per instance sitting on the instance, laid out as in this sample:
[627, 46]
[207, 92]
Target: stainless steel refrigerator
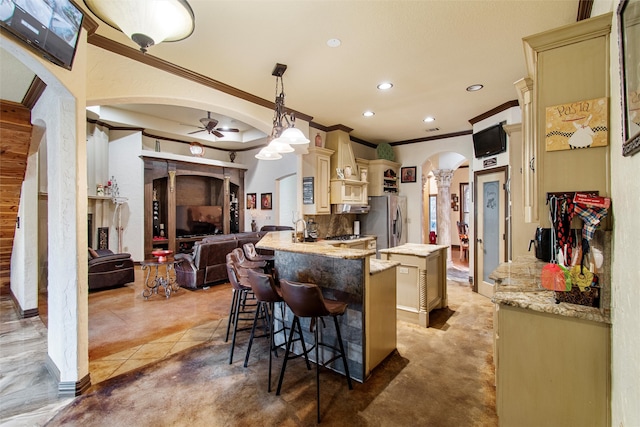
[387, 220]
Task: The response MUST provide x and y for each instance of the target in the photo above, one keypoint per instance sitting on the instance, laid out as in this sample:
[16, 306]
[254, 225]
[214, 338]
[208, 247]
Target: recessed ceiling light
[429, 119]
[368, 113]
[474, 88]
[385, 86]
[334, 42]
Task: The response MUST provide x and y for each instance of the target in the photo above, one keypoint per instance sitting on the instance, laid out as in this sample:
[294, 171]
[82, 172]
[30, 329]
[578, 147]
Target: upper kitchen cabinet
[383, 177]
[568, 76]
[316, 173]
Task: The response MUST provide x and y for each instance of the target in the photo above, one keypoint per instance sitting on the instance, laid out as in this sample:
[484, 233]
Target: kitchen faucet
[304, 229]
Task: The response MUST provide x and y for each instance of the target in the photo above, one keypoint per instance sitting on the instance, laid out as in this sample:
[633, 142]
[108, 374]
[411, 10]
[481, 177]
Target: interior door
[490, 230]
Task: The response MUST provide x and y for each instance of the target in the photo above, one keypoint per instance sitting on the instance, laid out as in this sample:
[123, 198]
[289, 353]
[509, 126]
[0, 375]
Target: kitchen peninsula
[353, 276]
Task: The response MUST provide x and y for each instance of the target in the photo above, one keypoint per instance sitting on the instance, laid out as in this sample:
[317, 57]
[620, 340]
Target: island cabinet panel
[551, 370]
[421, 280]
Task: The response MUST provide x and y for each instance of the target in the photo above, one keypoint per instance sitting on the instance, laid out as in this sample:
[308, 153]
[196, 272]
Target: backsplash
[333, 225]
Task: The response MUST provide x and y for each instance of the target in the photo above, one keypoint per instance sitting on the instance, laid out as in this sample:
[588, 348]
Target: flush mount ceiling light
[284, 133]
[385, 86]
[429, 119]
[368, 114]
[474, 88]
[146, 22]
[334, 42]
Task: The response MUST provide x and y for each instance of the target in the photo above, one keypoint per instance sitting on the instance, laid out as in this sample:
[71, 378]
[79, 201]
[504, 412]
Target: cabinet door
[323, 205]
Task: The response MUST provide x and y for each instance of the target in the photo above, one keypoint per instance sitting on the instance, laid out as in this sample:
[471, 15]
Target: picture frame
[408, 174]
[251, 201]
[265, 201]
[629, 32]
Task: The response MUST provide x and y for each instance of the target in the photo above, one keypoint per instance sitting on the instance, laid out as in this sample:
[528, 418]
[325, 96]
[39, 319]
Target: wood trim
[494, 111]
[432, 138]
[584, 9]
[24, 314]
[152, 61]
[35, 91]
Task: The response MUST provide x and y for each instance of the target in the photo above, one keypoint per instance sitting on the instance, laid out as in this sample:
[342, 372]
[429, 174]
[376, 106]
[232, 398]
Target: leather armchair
[109, 270]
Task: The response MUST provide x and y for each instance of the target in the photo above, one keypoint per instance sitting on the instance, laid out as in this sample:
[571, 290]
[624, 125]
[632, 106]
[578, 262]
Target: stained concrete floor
[440, 376]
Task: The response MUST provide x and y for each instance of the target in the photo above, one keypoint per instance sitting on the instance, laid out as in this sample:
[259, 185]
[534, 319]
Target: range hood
[347, 208]
[348, 192]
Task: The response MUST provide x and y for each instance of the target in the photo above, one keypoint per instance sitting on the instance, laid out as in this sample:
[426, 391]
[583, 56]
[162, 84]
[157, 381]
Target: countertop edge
[379, 265]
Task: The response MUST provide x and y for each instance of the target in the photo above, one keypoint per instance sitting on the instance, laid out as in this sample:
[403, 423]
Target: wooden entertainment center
[180, 186]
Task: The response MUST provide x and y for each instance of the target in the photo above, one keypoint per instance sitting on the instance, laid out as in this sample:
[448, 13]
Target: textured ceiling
[430, 50]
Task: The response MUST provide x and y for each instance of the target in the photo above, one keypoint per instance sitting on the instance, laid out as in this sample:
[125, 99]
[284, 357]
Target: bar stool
[267, 294]
[240, 269]
[253, 255]
[241, 309]
[306, 300]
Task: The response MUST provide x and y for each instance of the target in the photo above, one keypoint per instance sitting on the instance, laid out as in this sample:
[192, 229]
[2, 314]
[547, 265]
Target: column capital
[443, 177]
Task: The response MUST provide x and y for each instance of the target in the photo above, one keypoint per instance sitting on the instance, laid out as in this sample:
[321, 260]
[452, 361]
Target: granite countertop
[281, 241]
[417, 249]
[378, 265]
[518, 285]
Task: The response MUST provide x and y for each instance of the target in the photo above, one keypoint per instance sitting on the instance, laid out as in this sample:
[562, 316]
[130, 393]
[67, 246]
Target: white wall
[625, 274]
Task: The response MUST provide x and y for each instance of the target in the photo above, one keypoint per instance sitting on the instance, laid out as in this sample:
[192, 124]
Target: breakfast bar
[352, 276]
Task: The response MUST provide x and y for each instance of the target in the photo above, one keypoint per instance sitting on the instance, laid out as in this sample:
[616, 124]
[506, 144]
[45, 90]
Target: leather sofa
[109, 270]
[206, 264]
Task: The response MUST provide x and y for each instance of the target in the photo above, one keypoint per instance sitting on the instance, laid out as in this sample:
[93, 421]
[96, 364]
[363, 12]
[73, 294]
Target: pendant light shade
[268, 154]
[146, 22]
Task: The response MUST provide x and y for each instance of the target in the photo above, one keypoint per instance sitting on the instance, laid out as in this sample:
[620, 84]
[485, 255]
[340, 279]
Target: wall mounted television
[490, 141]
[50, 27]
[198, 220]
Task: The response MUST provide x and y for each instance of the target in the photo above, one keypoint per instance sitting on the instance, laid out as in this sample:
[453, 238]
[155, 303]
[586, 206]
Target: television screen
[198, 220]
[490, 141]
[51, 27]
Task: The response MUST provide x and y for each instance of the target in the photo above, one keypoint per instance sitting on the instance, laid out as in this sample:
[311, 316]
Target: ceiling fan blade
[208, 122]
[195, 131]
[218, 134]
[227, 130]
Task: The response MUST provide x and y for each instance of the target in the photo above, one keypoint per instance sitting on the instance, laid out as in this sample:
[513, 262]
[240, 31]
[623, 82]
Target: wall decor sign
[580, 124]
[307, 190]
[629, 28]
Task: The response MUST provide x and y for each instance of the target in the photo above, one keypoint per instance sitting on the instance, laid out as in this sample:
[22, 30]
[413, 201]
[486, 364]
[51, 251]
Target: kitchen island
[421, 280]
[552, 359]
[353, 276]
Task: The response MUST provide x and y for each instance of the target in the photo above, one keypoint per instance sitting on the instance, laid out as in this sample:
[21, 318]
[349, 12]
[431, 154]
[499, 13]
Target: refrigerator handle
[398, 223]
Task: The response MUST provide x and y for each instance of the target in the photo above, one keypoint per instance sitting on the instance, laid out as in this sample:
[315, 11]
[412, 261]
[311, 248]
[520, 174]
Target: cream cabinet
[316, 193]
[348, 191]
[383, 177]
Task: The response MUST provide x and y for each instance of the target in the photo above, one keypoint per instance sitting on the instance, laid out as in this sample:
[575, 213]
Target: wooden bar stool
[306, 300]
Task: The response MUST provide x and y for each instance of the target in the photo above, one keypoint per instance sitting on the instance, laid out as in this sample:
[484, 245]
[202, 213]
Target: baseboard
[67, 388]
[24, 314]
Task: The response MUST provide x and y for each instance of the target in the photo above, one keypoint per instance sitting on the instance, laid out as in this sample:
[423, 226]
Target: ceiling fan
[209, 124]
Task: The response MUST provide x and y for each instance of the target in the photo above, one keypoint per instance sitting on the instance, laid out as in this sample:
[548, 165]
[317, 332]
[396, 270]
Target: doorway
[490, 227]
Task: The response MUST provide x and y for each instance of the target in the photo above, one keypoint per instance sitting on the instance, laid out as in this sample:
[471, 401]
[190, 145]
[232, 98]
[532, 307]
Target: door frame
[505, 171]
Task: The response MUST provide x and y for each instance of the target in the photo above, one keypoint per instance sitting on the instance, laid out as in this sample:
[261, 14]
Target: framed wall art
[629, 28]
[251, 201]
[265, 201]
[408, 174]
[579, 124]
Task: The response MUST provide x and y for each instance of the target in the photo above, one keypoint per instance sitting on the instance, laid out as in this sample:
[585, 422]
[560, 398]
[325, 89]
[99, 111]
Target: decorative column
[443, 182]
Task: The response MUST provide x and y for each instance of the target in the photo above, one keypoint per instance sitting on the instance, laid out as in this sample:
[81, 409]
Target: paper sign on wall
[575, 125]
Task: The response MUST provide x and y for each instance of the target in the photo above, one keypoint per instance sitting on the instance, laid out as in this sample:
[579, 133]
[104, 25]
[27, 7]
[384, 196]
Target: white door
[490, 230]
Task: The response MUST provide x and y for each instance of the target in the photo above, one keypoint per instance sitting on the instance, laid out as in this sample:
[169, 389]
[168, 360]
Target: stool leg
[239, 301]
[304, 347]
[286, 356]
[253, 331]
[234, 296]
[271, 343]
[342, 352]
[315, 335]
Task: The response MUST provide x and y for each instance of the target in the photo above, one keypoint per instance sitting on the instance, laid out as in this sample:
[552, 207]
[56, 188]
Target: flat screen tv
[51, 27]
[195, 220]
[490, 141]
